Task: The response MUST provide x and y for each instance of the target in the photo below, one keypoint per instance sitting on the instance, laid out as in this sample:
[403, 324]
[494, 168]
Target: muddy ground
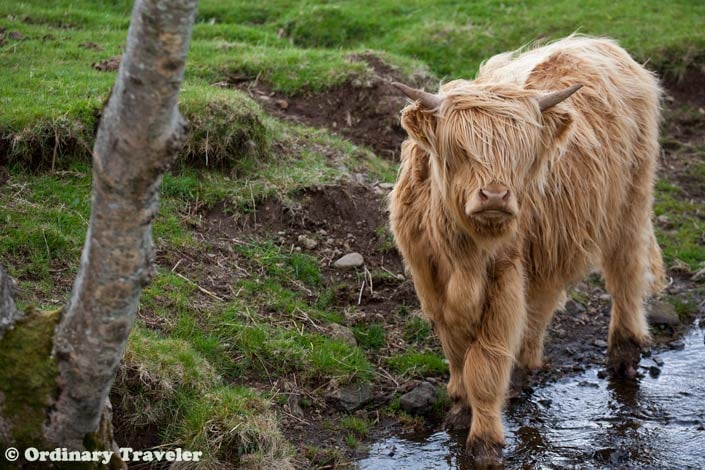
[351, 217]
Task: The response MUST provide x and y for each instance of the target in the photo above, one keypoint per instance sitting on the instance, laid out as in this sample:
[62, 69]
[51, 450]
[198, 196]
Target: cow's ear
[420, 124]
[557, 117]
[557, 126]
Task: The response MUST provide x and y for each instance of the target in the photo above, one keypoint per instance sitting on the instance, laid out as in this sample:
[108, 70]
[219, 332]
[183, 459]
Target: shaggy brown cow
[509, 191]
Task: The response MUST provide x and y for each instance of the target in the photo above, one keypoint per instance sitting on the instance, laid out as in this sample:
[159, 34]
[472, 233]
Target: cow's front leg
[455, 342]
[488, 363]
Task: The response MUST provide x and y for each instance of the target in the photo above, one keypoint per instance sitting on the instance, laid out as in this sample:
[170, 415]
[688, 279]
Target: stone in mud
[294, 403]
[574, 307]
[600, 343]
[308, 243]
[350, 397]
[663, 313]
[342, 333]
[349, 261]
[420, 400]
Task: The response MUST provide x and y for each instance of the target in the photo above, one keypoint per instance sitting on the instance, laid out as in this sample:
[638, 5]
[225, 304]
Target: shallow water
[587, 423]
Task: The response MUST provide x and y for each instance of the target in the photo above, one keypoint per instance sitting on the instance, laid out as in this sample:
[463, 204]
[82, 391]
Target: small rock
[699, 276]
[664, 221]
[308, 243]
[349, 261]
[387, 186]
[585, 383]
[600, 343]
[602, 374]
[342, 333]
[350, 397]
[605, 297]
[294, 402]
[658, 361]
[282, 104]
[677, 344]
[574, 307]
[654, 371]
[680, 267]
[420, 399]
[663, 313]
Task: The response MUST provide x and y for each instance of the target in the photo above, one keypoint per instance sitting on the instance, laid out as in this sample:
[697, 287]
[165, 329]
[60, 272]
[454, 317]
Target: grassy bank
[246, 310]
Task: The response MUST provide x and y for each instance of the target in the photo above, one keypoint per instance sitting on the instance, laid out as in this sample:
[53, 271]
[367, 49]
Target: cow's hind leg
[541, 304]
[632, 269]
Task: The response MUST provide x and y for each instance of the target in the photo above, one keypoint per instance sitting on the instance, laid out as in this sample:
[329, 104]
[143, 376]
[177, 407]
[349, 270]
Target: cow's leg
[454, 345]
[628, 267]
[488, 363]
[625, 272]
[541, 304]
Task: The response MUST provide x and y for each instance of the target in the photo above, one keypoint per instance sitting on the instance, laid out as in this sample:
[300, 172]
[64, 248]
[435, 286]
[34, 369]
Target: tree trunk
[140, 133]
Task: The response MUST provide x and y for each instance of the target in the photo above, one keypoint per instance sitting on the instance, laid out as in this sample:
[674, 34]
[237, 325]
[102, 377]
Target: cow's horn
[549, 100]
[428, 100]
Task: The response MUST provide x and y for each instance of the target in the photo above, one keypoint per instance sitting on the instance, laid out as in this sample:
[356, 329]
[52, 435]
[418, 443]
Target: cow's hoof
[623, 357]
[458, 418]
[485, 455]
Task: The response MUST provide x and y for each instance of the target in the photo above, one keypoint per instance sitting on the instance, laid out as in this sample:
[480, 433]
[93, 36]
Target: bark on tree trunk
[140, 133]
[9, 314]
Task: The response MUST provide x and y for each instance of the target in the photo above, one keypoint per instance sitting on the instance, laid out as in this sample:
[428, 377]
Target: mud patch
[108, 65]
[364, 110]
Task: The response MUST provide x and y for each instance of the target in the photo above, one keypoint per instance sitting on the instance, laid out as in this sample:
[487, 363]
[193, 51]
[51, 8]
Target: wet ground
[586, 422]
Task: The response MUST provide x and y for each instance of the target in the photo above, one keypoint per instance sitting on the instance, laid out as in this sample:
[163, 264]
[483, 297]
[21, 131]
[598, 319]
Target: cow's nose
[494, 193]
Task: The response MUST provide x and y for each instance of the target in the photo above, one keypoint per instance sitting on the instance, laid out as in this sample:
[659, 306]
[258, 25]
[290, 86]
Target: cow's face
[486, 146]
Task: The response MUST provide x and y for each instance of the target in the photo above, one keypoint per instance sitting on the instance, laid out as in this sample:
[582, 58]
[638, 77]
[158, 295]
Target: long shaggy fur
[582, 172]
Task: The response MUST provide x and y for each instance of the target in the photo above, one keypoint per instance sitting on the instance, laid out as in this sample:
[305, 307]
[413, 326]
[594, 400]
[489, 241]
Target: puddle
[587, 423]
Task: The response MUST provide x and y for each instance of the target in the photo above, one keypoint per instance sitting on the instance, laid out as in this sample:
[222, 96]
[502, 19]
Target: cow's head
[487, 145]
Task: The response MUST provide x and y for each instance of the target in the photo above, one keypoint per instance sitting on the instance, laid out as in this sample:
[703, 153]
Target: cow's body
[581, 173]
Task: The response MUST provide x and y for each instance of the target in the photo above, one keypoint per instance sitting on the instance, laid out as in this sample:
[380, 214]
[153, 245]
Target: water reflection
[587, 423]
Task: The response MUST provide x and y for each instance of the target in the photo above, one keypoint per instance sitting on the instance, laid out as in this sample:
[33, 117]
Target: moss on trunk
[28, 375]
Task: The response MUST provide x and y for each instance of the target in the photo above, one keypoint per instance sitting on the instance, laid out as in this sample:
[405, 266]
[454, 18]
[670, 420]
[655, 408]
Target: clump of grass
[154, 371]
[235, 427]
[166, 382]
[357, 426]
[272, 349]
[418, 364]
[371, 336]
[417, 330]
[226, 130]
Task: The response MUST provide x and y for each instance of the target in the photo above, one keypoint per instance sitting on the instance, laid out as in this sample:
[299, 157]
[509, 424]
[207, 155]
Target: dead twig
[202, 289]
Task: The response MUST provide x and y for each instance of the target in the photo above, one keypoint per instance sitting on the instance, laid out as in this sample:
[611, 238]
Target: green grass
[50, 90]
[683, 238]
[370, 336]
[418, 364]
[166, 382]
[359, 427]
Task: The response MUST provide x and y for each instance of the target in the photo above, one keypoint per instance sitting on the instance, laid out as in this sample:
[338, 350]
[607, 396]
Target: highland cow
[512, 187]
